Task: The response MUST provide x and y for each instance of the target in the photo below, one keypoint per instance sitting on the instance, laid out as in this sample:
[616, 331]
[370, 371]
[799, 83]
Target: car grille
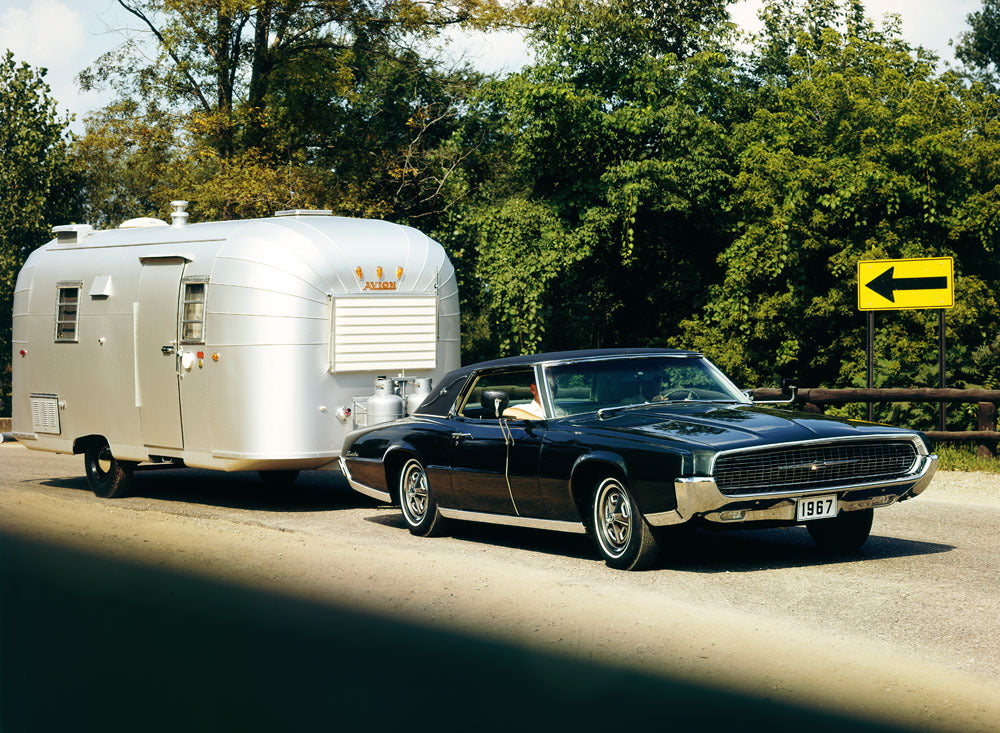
[792, 468]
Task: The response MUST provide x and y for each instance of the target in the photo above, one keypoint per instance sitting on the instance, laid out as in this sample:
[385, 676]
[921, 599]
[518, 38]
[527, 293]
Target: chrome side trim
[699, 495]
[550, 524]
[377, 494]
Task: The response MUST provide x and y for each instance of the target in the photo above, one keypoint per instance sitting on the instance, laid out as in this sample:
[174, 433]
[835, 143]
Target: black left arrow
[886, 285]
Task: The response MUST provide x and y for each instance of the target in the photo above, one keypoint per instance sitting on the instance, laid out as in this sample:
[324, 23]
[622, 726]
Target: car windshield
[588, 386]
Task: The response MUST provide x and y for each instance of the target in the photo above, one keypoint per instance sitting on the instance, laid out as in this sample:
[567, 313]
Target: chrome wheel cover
[613, 517]
[413, 490]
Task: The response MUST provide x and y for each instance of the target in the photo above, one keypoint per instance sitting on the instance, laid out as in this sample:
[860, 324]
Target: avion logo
[380, 283]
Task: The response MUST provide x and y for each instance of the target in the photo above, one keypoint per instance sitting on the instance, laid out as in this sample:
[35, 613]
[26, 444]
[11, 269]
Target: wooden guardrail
[986, 435]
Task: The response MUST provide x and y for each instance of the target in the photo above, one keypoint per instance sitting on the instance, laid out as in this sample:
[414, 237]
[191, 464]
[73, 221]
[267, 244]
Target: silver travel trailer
[233, 345]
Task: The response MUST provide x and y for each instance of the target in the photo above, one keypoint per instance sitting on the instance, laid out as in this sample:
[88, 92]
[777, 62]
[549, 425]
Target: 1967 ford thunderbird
[628, 445]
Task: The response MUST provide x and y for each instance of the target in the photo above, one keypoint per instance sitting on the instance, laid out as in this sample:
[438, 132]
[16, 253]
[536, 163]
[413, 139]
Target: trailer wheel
[107, 477]
[278, 478]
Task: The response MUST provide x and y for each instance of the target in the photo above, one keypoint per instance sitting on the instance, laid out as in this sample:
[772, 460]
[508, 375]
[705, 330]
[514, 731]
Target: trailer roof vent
[142, 222]
[179, 216]
[304, 212]
[72, 233]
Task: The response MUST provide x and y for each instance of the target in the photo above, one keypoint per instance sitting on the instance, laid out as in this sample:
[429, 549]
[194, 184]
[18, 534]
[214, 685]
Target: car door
[487, 452]
[479, 466]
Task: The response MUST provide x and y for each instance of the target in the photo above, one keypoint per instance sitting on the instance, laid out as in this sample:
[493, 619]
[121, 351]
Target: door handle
[458, 437]
[167, 350]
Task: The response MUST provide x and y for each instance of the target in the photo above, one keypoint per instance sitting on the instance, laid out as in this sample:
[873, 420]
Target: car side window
[515, 383]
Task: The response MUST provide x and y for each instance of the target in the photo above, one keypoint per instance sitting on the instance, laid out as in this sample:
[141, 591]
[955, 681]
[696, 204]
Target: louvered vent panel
[45, 414]
[384, 333]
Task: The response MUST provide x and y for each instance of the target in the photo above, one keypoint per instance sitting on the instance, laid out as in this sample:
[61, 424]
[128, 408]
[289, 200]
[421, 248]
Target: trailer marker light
[378, 272]
[399, 273]
[215, 356]
[23, 352]
[360, 273]
[201, 354]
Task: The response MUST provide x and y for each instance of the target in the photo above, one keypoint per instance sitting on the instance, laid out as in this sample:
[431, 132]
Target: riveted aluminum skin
[142, 373]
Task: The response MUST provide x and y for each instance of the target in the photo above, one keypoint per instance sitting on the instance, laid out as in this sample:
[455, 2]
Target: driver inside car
[531, 410]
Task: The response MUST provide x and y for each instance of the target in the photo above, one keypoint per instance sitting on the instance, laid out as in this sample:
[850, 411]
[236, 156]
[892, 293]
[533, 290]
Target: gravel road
[904, 634]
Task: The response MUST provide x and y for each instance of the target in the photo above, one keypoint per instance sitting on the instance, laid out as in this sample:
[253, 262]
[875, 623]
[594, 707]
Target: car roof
[551, 356]
[451, 377]
[580, 355]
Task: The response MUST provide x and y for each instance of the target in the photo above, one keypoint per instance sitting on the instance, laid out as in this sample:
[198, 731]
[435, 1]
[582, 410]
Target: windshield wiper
[606, 411]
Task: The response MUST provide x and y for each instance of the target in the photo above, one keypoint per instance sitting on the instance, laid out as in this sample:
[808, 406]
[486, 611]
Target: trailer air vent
[304, 212]
[72, 233]
[142, 222]
[384, 333]
[45, 413]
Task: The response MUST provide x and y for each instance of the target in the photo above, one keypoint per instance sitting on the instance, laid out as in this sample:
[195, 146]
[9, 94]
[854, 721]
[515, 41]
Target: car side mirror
[494, 402]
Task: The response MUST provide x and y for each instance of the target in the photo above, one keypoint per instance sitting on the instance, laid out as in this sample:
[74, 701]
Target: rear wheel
[107, 477]
[622, 535]
[416, 499]
[847, 532]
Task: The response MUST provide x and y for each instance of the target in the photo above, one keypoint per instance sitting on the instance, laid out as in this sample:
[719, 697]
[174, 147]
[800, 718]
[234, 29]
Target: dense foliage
[35, 183]
[654, 177]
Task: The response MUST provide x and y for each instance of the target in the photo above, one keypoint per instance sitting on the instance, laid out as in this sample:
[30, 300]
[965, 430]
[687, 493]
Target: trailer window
[67, 312]
[193, 316]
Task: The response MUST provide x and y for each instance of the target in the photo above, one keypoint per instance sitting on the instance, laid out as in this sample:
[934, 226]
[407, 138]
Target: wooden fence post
[986, 417]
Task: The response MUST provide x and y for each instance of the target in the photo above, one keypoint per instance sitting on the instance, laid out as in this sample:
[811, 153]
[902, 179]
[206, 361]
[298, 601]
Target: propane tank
[421, 388]
[384, 406]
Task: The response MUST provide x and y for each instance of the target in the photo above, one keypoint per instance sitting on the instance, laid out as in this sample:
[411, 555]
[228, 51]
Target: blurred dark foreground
[91, 643]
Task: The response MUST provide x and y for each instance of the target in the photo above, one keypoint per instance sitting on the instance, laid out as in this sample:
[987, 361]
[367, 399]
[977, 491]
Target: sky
[65, 36]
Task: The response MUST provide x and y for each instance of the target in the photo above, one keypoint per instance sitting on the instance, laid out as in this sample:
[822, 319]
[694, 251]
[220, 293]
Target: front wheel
[844, 533]
[621, 533]
[420, 509]
[107, 477]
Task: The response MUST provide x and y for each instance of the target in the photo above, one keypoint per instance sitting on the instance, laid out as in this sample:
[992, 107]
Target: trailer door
[156, 352]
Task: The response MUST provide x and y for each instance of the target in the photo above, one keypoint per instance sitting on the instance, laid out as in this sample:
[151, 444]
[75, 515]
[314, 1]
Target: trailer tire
[107, 477]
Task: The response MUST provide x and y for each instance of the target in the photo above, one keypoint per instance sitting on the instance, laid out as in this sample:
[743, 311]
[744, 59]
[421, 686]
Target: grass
[963, 458]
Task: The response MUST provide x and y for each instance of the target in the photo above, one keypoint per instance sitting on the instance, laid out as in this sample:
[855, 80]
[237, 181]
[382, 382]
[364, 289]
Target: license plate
[816, 507]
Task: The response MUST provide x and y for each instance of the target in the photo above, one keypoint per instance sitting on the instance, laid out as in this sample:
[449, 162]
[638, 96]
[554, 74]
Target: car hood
[724, 427]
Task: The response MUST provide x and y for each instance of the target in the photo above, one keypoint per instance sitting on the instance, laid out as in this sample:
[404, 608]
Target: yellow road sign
[920, 282]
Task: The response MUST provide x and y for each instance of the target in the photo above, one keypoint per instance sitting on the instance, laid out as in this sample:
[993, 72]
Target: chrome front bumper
[698, 496]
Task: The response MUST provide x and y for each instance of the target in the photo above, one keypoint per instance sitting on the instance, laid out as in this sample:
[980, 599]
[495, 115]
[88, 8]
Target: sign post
[918, 283]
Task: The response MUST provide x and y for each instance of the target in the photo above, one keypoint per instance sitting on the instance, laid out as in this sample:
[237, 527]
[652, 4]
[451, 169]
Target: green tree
[607, 173]
[856, 148]
[249, 105]
[979, 47]
[36, 188]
